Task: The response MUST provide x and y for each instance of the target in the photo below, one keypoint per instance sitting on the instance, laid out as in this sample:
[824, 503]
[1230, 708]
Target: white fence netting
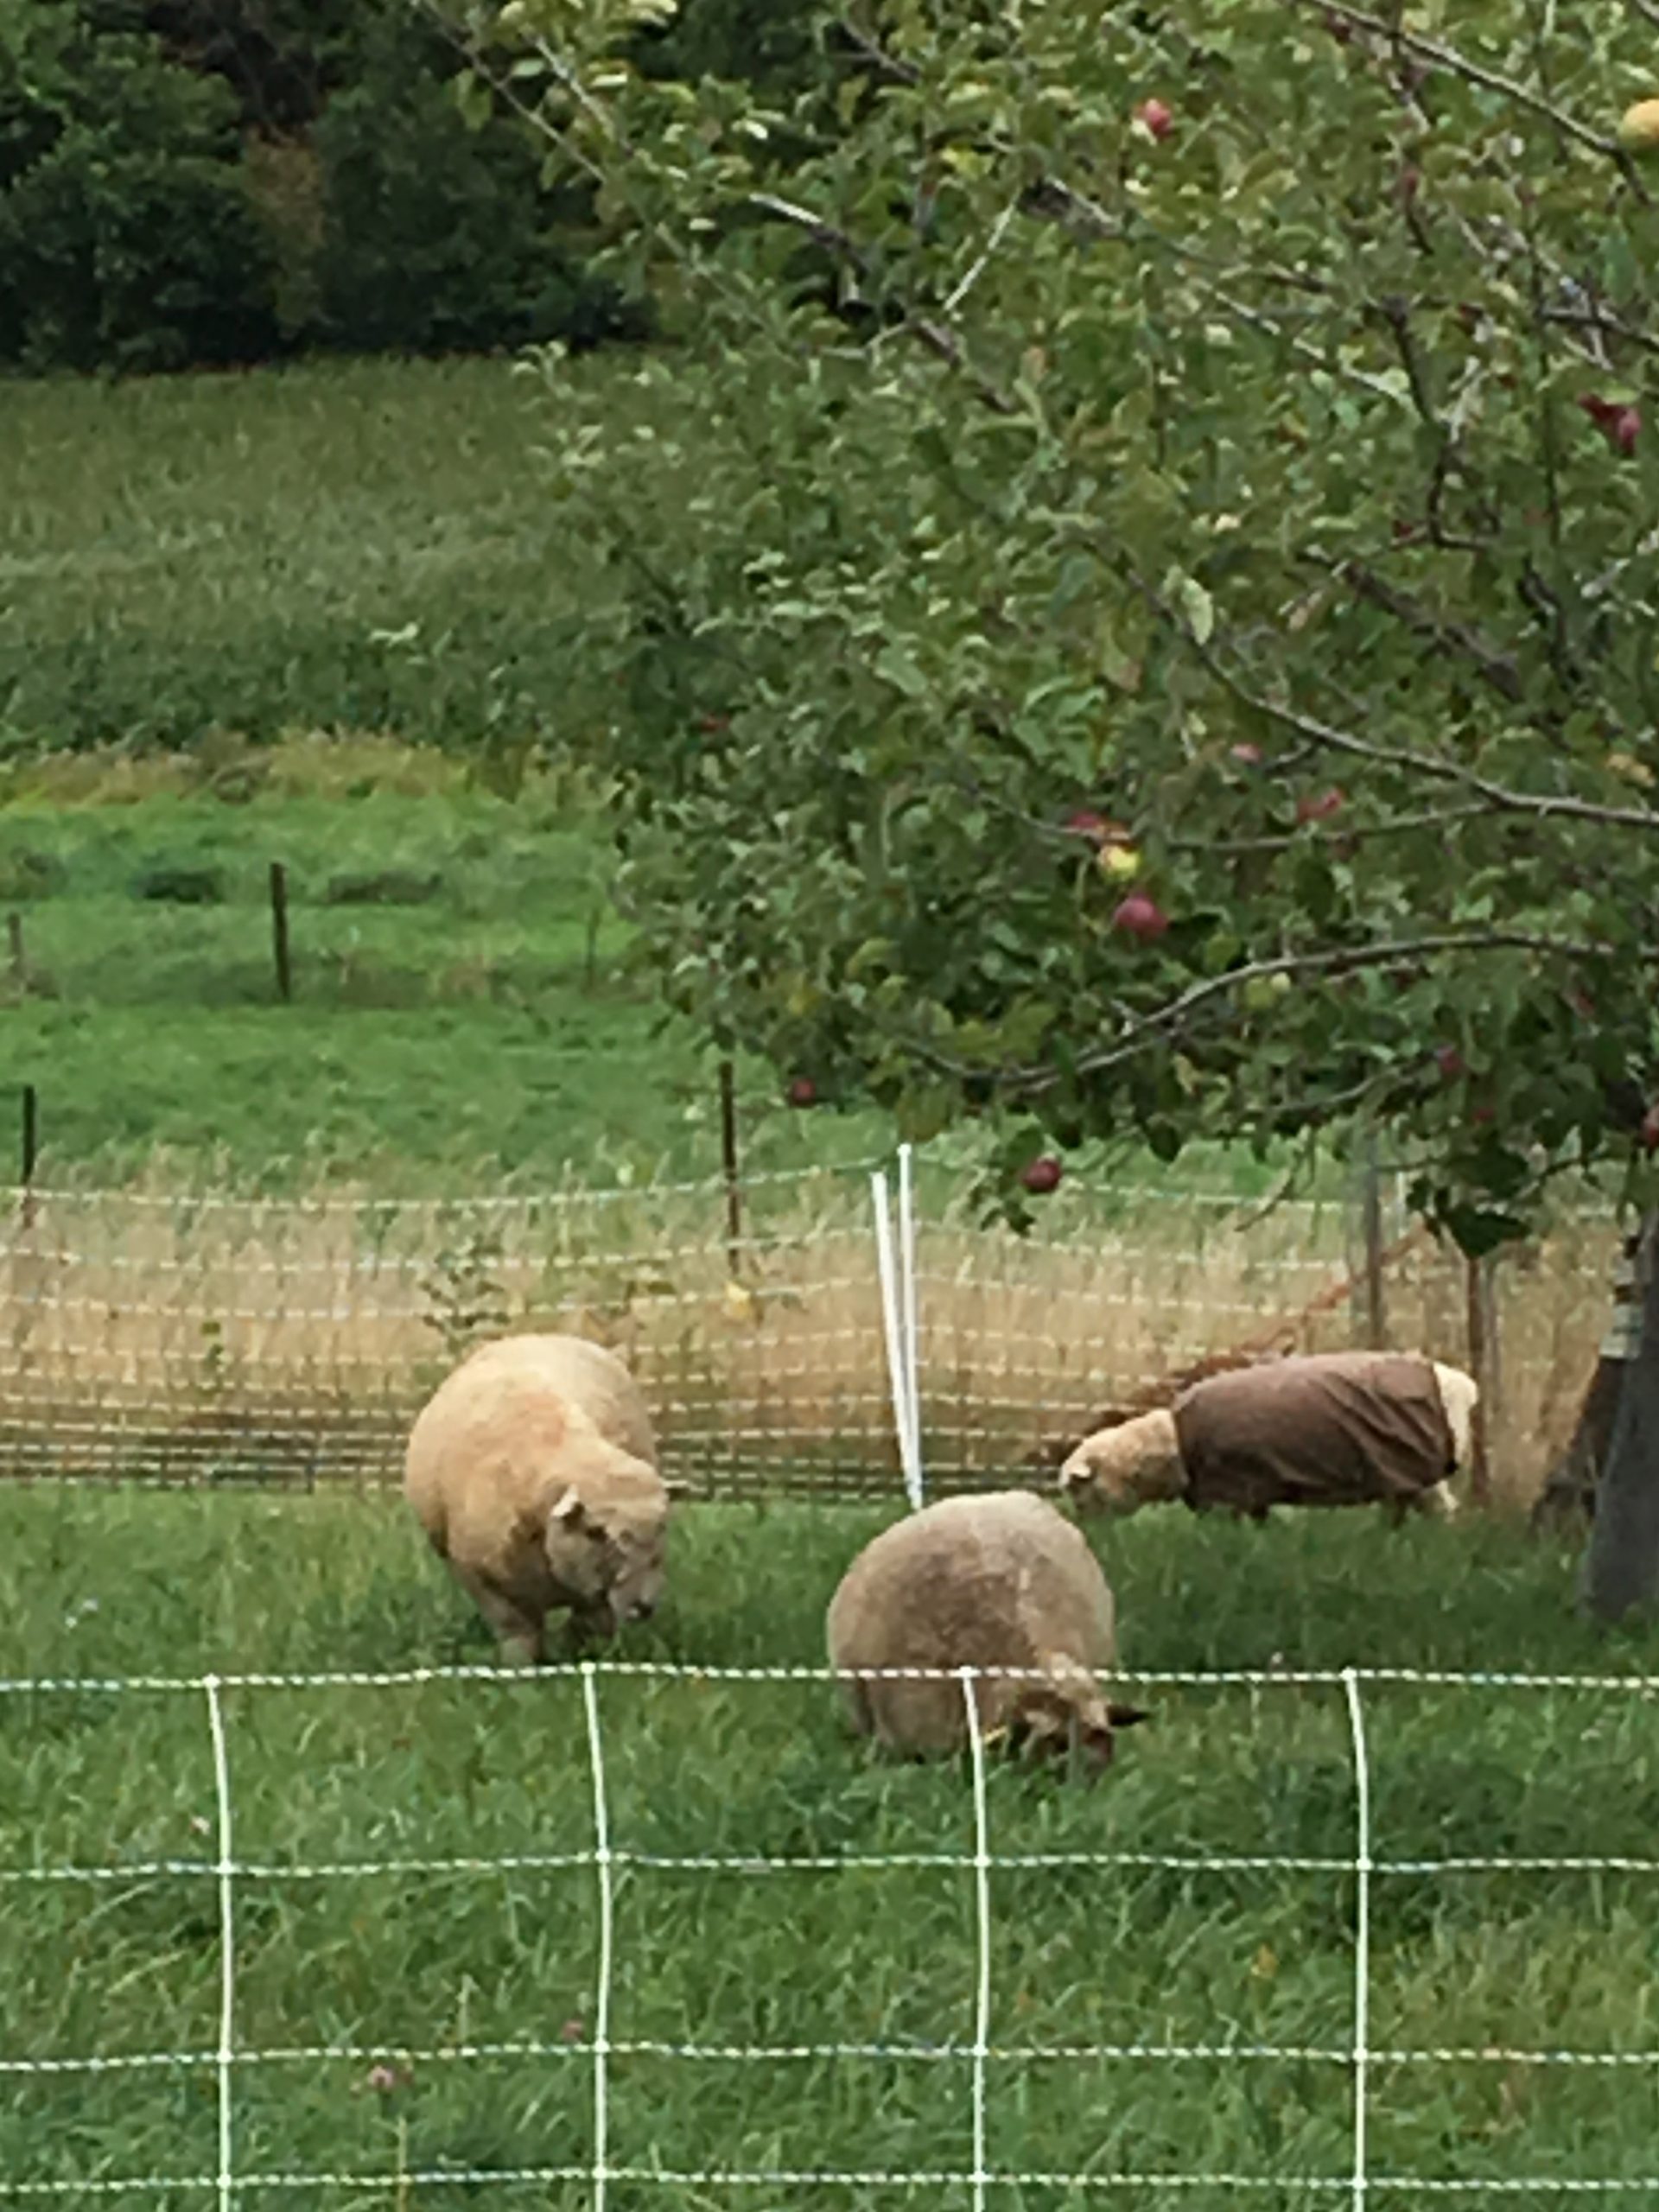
[213, 1339]
[590, 2135]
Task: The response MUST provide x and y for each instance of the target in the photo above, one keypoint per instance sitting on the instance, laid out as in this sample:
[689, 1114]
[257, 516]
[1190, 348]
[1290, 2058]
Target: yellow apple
[1120, 860]
[1638, 129]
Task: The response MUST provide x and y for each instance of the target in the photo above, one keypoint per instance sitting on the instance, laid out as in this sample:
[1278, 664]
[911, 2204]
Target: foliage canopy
[1142, 613]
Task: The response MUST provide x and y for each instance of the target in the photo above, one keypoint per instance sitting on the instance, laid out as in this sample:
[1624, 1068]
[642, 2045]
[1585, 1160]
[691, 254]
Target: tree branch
[1498, 669]
[1474, 72]
[936, 336]
[1539, 805]
[1167, 1020]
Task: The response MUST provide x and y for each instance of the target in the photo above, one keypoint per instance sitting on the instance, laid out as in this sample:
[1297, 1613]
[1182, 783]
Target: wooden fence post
[279, 930]
[31, 1149]
[729, 1164]
[1368, 1300]
[1486, 1365]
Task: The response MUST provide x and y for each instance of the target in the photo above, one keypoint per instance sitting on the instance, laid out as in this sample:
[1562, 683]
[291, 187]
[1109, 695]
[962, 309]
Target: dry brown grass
[154, 1334]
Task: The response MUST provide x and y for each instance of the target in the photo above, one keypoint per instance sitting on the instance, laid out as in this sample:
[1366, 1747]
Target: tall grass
[362, 545]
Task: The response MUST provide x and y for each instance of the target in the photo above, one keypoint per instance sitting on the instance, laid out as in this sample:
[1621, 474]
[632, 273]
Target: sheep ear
[1125, 1716]
[569, 1509]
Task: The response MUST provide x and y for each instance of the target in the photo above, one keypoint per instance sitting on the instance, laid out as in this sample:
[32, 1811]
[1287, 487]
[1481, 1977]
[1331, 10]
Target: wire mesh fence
[193, 1338]
[589, 2132]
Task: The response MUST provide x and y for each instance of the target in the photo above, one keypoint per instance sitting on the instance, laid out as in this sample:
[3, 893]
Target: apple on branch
[1140, 916]
[1319, 806]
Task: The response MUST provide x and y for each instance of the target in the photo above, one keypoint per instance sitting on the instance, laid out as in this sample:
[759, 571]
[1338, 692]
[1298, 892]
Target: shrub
[181, 883]
[128, 237]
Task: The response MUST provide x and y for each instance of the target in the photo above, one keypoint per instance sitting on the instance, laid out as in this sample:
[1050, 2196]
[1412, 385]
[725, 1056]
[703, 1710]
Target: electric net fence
[604, 2157]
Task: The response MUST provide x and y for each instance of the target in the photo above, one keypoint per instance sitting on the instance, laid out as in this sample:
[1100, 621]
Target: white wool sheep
[996, 1580]
[1333, 1429]
[533, 1470]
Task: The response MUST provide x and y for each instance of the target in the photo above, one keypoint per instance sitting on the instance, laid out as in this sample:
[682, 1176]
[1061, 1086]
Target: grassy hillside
[373, 1930]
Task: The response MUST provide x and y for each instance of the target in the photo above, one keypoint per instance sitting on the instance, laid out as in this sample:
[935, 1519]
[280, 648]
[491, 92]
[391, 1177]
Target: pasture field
[464, 1005]
[360, 545]
[1249, 1969]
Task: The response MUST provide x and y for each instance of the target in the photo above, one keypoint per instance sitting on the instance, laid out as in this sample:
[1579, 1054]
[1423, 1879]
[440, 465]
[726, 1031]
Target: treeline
[203, 182]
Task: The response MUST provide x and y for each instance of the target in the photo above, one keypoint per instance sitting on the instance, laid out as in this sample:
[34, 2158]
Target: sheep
[1000, 1579]
[533, 1470]
[1330, 1428]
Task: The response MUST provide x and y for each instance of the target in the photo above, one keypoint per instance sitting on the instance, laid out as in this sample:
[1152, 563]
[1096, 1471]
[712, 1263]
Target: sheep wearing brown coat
[1327, 1428]
[1000, 1580]
[533, 1470]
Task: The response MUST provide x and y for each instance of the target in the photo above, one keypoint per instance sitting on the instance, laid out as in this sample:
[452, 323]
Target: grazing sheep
[533, 1470]
[1330, 1429]
[1000, 1580]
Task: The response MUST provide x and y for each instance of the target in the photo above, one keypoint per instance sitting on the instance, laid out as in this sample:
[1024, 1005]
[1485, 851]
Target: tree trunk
[1622, 1566]
[1569, 1494]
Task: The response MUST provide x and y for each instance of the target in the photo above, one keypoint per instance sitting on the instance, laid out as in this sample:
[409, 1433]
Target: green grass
[363, 545]
[192, 570]
[493, 1027]
[93, 1584]
[484, 1015]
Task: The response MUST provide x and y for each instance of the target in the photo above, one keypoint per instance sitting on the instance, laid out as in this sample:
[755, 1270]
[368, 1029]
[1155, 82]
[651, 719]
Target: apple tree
[1136, 605]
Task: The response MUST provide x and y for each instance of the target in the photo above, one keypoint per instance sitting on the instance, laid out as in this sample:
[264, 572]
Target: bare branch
[1604, 324]
[871, 50]
[1474, 72]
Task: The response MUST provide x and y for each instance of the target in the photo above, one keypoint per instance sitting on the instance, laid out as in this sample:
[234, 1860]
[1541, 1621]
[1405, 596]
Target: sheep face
[609, 1557]
[1049, 1719]
[1116, 1470]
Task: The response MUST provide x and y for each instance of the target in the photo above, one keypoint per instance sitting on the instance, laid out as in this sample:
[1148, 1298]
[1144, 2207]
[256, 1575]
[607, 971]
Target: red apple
[1041, 1175]
[712, 724]
[1140, 916]
[1085, 823]
[802, 1091]
[1157, 118]
[1450, 1062]
[1620, 421]
[1318, 806]
[1651, 1129]
[1248, 753]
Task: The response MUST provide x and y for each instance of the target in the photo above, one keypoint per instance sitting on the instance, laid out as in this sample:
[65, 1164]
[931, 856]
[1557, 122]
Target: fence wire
[991, 2067]
[208, 1339]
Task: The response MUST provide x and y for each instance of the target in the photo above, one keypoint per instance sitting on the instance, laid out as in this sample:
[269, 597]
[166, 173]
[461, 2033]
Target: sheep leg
[1437, 1502]
[518, 1635]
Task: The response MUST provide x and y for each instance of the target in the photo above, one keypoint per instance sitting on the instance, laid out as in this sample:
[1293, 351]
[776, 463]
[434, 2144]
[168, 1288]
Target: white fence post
[1362, 1928]
[982, 1915]
[602, 1999]
[899, 1357]
[226, 1942]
